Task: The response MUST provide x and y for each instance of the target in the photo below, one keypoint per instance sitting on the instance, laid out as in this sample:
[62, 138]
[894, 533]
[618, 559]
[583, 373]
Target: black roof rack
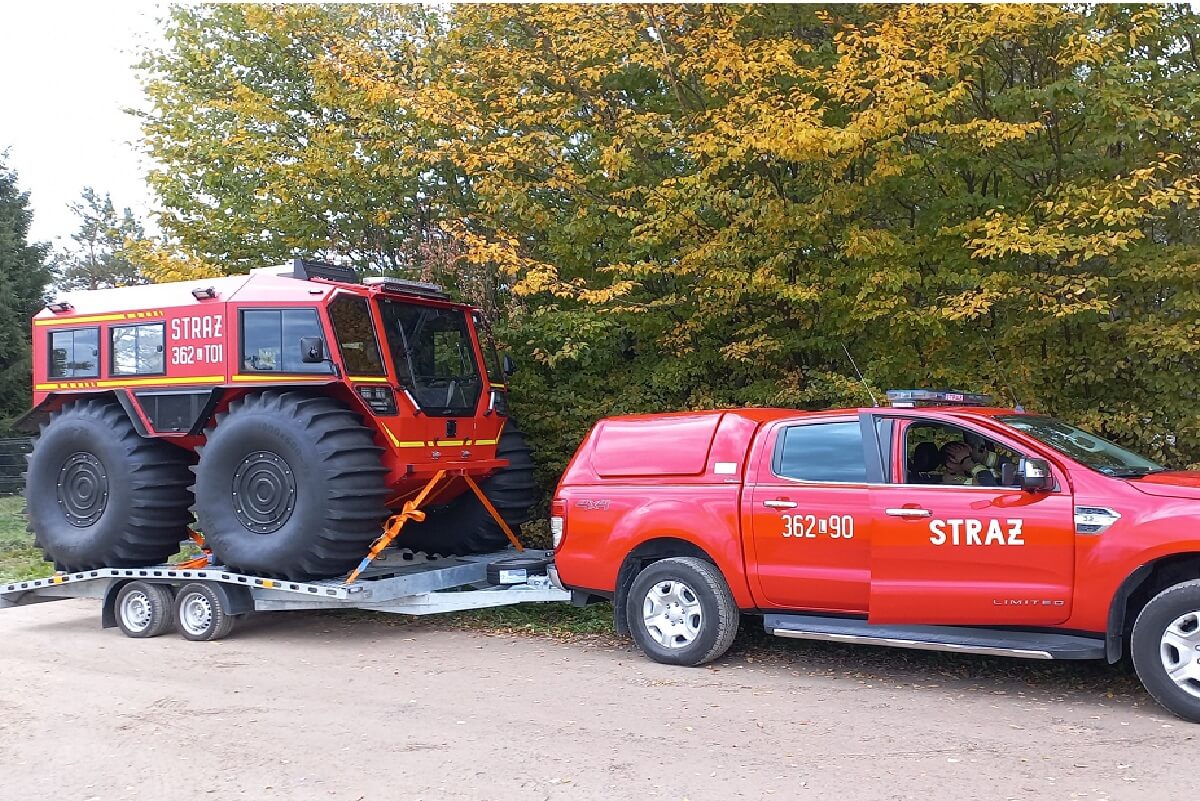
[304, 269]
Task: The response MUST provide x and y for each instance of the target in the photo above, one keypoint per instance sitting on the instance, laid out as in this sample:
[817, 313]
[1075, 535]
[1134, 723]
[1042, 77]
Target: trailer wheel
[681, 611]
[1166, 649]
[101, 495]
[144, 610]
[202, 613]
[290, 485]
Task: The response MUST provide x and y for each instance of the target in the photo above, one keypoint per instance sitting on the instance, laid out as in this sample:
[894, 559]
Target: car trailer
[204, 603]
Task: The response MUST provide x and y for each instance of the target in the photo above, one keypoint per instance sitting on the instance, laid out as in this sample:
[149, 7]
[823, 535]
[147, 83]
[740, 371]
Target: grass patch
[19, 559]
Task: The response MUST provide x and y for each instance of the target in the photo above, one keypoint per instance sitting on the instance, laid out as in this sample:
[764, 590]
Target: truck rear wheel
[290, 485]
[464, 526]
[681, 612]
[100, 495]
[1166, 649]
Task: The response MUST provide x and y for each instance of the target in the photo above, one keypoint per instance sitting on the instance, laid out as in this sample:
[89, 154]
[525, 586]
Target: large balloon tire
[464, 526]
[312, 496]
[98, 494]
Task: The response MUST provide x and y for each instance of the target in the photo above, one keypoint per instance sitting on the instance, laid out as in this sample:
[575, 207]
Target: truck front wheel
[681, 611]
[1166, 649]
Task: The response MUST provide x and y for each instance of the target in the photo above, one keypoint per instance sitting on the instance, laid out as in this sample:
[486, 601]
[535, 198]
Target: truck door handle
[908, 511]
[780, 504]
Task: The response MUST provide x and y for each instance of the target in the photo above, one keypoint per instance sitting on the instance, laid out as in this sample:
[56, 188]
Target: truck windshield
[1087, 449]
[435, 360]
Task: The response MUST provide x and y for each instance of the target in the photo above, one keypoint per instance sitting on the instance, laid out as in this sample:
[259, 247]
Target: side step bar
[993, 642]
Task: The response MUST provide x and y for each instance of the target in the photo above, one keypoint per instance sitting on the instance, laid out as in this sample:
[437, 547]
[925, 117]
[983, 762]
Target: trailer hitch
[411, 510]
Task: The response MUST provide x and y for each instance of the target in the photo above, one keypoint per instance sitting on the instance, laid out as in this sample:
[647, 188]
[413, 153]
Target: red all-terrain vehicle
[292, 410]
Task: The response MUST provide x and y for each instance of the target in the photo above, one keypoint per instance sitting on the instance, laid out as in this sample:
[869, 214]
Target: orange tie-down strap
[200, 562]
[412, 511]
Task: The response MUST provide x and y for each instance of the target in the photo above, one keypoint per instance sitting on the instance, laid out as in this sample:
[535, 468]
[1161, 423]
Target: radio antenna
[866, 386]
[1001, 375]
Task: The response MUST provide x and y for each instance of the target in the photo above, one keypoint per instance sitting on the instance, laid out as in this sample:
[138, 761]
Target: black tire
[100, 495]
[144, 610]
[517, 569]
[719, 615]
[1147, 648]
[463, 526]
[201, 613]
[312, 490]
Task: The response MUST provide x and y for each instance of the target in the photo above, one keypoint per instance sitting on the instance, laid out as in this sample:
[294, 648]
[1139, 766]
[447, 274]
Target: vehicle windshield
[1087, 449]
[435, 360]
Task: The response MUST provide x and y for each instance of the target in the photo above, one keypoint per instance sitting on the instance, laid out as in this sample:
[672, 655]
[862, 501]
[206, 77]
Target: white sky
[65, 75]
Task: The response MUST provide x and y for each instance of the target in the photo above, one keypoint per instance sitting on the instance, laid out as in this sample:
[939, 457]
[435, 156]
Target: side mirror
[1035, 475]
[312, 350]
[508, 365]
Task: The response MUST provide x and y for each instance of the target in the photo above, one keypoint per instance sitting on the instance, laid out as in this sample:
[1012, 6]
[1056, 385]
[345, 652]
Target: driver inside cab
[959, 467]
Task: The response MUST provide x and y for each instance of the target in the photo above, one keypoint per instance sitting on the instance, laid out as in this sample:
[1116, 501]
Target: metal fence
[12, 464]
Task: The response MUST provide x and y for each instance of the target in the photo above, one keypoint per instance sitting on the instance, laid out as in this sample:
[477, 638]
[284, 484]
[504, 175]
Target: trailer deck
[397, 582]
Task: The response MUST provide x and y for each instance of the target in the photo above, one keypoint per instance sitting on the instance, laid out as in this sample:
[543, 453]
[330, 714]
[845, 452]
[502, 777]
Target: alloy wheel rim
[672, 614]
[1179, 650]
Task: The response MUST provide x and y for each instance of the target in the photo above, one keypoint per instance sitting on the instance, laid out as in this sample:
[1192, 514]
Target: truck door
[967, 554]
[809, 516]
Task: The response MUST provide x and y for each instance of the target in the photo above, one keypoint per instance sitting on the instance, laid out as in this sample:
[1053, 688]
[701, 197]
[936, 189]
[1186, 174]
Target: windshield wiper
[1140, 472]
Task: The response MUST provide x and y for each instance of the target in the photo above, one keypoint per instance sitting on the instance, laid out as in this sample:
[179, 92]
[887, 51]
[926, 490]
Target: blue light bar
[910, 398]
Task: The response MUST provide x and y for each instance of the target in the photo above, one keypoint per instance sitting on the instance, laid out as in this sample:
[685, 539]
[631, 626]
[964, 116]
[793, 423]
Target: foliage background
[667, 207]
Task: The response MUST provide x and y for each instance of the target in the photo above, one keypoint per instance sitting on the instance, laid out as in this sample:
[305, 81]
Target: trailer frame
[397, 582]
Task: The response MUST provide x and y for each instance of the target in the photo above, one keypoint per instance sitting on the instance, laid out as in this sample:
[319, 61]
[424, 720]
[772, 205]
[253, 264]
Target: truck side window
[271, 340]
[925, 445]
[75, 353]
[822, 452]
[137, 349]
[351, 317]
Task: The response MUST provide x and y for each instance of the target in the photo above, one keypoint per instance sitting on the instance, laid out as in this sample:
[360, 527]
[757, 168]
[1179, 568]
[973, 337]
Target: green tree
[23, 278]
[100, 257]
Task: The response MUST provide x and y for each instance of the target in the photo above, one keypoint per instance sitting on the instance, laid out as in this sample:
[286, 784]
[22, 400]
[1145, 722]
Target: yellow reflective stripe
[269, 378]
[487, 441]
[97, 318]
[391, 436]
[412, 444]
[131, 382]
[446, 443]
[368, 379]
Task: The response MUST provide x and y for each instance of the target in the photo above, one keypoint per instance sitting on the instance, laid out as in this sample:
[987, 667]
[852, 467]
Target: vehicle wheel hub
[672, 614]
[195, 614]
[82, 489]
[1179, 650]
[136, 611]
[264, 492]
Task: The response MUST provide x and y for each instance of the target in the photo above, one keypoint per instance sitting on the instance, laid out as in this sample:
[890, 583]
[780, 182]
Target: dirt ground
[327, 706]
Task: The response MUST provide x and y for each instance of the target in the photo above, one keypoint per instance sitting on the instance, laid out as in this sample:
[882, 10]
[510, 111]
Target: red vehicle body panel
[1020, 563]
[202, 353]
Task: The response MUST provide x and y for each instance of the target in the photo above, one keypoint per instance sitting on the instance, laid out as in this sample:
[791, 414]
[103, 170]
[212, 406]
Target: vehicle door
[808, 510]
[968, 554]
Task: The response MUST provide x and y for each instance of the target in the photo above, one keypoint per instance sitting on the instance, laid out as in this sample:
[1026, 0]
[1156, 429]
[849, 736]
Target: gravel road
[324, 706]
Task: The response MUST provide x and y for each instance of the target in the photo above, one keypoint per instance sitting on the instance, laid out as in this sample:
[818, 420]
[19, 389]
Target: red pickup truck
[935, 523]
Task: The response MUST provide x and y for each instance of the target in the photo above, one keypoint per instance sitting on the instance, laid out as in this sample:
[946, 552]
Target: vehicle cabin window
[351, 317]
[831, 452]
[137, 349]
[271, 340]
[939, 453]
[75, 353]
